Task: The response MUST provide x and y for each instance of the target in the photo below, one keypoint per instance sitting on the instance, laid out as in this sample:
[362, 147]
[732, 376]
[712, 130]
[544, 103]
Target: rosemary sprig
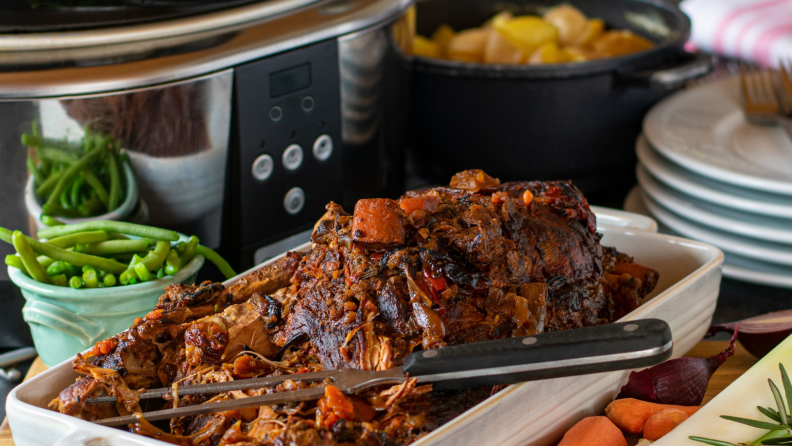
[780, 431]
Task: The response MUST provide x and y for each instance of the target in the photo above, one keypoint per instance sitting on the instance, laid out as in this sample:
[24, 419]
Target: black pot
[575, 121]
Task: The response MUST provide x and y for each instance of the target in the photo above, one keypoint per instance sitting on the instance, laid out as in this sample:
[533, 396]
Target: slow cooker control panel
[285, 162]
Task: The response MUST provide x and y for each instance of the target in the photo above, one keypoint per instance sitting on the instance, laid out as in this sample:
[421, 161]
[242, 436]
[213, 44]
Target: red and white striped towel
[758, 31]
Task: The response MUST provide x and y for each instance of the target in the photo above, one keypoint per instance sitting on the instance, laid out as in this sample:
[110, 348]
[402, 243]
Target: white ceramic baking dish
[534, 413]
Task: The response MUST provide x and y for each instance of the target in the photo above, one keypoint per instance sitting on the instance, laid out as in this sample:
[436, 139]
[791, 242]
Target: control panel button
[262, 167]
[307, 103]
[276, 113]
[323, 147]
[293, 157]
[294, 200]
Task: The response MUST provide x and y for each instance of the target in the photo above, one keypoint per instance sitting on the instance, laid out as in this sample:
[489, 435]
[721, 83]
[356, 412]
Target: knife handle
[555, 354]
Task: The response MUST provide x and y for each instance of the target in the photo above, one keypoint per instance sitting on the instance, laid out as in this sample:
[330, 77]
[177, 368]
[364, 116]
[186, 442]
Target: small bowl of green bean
[88, 281]
[77, 182]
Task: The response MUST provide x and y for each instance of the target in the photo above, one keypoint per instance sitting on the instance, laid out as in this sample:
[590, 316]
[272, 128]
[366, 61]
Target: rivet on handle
[529, 341]
[631, 327]
[430, 353]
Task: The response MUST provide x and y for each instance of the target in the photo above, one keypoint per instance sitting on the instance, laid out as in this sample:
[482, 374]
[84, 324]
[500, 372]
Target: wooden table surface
[726, 374]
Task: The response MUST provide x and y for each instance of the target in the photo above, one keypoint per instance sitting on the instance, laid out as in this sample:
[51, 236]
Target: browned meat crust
[445, 266]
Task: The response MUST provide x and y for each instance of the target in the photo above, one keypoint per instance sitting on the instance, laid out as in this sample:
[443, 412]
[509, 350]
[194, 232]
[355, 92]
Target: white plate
[734, 266]
[771, 229]
[730, 243]
[701, 187]
[703, 129]
[535, 413]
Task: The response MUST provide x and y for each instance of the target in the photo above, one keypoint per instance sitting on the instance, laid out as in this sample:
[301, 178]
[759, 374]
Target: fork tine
[785, 87]
[746, 97]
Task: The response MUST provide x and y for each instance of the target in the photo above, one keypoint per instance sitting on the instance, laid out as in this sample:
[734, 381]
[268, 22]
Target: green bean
[49, 183]
[35, 140]
[143, 273]
[215, 258]
[80, 247]
[16, 262]
[74, 193]
[55, 209]
[117, 236]
[160, 273]
[60, 280]
[115, 183]
[189, 250]
[156, 258]
[111, 226]
[76, 282]
[56, 155]
[64, 198]
[117, 247]
[49, 221]
[38, 177]
[90, 280]
[37, 272]
[127, 275]
[109, 280]
[179, 247]
[67, 256]
[56, 268]
[90, 207]
[72, 170]
[96, 185]
[45, 261]
[173, 259]
[67, 241]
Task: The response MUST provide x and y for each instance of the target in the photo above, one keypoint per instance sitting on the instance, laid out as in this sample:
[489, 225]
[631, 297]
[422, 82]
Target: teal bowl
[65, 321]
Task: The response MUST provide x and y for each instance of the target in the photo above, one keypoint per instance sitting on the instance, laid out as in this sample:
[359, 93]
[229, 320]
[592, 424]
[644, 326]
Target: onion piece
[681, 381]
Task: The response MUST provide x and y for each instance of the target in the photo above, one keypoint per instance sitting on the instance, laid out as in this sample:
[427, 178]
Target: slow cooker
[242, 119]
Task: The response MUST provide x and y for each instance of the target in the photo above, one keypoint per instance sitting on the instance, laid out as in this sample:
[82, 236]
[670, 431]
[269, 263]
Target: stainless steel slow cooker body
[156, 85]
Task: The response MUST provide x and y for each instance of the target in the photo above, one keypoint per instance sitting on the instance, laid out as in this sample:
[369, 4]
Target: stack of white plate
[705, 173]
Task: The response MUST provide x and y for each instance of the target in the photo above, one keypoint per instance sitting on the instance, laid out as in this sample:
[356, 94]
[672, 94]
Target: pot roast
[474, 261]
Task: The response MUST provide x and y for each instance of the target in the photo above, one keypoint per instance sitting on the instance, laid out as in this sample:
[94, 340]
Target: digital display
[290, 80]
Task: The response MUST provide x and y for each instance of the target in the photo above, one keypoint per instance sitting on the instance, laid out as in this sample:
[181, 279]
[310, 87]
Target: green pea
[76, 282]
[109, 280]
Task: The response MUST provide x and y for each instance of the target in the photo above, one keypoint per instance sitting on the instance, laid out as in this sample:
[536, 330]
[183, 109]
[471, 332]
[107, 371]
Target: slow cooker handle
[672, 77]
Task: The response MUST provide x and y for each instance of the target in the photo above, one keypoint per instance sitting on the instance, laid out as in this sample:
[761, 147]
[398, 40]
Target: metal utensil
[759, 100]
[548, 355]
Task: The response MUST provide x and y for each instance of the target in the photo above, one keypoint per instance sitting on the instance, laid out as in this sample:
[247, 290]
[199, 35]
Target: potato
[442, 37]
[549, 53]
[425, 47]
[526, 33]
[571, 23]
[499, 50]
[468, 45]
[618, 43]
[594, 29]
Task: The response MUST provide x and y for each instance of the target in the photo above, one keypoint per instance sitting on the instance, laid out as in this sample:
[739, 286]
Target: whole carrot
[663, 422]
[630, 415]
[594, 431]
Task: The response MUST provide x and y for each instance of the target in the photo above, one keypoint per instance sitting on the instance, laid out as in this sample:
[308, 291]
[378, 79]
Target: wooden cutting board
[726, 374]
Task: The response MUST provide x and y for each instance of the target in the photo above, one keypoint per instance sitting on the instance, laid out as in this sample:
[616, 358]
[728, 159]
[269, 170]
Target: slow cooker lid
[24, 16]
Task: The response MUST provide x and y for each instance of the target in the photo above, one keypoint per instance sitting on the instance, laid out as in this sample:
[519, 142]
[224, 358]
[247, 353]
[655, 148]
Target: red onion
[681, 381]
